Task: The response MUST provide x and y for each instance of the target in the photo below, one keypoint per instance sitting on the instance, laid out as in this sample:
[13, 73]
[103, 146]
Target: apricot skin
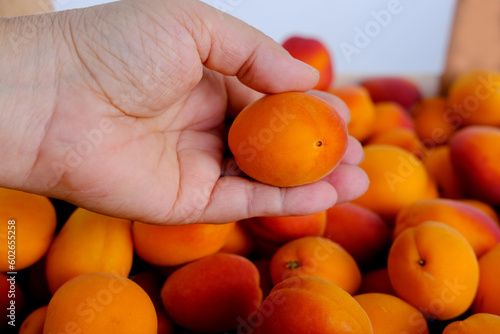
[288, 139]
[475, 154]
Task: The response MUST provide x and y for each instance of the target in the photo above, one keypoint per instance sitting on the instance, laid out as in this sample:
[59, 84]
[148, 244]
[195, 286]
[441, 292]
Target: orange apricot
[362, 110]
[288, 139]
[475, 98]
[483, 323]
[280, 230]
[310, 305]
[397, 179]
[100, 303]
[391, 315]
[34, 322]
[390, 115]
[238, 242]
[314, 52]
[438, 164]
[434, 268]
[214, 294]
[407, 139]
[360, 231]
[317, 257]
[394, 89]
[485, 207]
[89, 242]
[432, 190]
[431, 120]
[179, 244]
[32, 214]
[487, 300]
[475, 154]
[480, 230]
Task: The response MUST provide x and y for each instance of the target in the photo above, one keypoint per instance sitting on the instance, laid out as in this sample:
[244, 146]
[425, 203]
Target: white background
[413, 42]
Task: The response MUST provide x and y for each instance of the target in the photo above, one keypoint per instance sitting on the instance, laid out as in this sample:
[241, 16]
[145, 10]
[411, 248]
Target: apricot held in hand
[288, 139]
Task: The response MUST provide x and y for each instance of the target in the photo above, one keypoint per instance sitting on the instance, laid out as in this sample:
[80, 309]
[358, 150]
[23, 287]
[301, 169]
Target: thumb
[232, 47]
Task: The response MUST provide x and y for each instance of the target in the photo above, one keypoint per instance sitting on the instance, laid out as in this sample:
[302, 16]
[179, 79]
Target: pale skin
[120, 109]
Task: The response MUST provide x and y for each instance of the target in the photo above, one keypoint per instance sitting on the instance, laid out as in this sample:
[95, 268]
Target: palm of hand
[123, 119]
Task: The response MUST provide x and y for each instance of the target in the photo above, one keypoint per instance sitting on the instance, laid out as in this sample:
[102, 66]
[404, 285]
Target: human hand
[132, 119]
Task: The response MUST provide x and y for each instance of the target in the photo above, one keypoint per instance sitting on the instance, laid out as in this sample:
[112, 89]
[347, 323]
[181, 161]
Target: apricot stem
[421, 262]
[292, 265]
[319, 143]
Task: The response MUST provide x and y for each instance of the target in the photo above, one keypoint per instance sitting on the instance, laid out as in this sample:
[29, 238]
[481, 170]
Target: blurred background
[428, 41]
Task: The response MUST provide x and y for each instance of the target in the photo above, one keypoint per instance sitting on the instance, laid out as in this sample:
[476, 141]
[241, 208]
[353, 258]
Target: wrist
[28, 87]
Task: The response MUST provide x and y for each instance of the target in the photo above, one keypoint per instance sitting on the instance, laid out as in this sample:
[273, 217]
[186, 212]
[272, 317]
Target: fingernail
[312, 69]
